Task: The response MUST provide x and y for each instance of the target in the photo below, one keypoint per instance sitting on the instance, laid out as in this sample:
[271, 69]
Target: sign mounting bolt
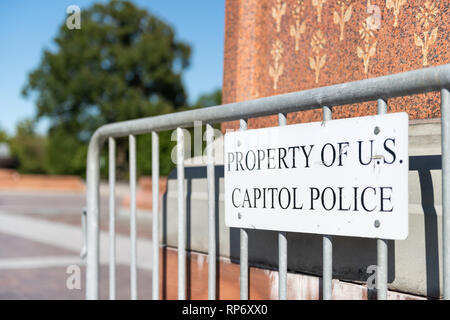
[377, 223]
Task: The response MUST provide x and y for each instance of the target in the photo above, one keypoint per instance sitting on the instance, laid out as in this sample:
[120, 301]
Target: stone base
[263, 283]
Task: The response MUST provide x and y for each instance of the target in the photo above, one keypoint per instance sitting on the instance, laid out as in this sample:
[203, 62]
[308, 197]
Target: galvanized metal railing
[376, 89]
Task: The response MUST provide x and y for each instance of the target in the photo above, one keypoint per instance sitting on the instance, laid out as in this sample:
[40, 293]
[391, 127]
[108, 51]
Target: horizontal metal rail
[396, 85]
[391, 86]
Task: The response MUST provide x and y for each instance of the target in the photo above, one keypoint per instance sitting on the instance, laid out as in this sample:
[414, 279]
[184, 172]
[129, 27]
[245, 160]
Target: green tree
[29, 148]
[209, 99]
[124, 63]
[3, 136]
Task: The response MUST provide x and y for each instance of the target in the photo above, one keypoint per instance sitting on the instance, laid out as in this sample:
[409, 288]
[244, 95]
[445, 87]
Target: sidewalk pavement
[37, 248]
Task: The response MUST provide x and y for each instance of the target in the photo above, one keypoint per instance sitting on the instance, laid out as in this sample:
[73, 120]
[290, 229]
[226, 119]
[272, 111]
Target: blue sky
[28, 26]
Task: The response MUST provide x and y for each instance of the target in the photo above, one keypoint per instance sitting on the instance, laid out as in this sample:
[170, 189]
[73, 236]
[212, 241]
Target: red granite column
[279, 46]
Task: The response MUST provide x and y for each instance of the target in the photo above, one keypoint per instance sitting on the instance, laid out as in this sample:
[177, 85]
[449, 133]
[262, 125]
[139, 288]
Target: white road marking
[40, 262]
[70, 238]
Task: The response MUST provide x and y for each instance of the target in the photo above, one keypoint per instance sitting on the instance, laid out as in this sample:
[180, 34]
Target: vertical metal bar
[282, 245]
[381, 106]
[155, 215]
[93, 219]
[83, 252]
[445, 140]
[381, 280]
[327, 246]
[244, 245]
[211, 213]
[181, 217]
[112, 218]
[133, 264]
[382, 244]
[327, 242]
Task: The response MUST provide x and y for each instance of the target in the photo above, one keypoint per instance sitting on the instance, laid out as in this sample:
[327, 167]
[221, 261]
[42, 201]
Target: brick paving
[50, 284]
[32, 269]
[67, 208]
[18, 247]
[144, 226]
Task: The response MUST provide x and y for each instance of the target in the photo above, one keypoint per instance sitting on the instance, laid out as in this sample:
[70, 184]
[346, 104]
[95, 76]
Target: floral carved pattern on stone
[317, 60]
[277, 13]
[319, 5]
[276, 70]
[426, 18]
[298, 28]
[342, 17]
[396, 5]
[369, 49]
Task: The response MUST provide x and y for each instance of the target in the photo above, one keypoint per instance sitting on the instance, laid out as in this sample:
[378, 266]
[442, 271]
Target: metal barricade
[376, 89]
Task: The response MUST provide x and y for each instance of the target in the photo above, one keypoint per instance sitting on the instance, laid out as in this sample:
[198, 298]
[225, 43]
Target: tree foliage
[209, 99]
[3, 136]
[29, 148]
[124, 63]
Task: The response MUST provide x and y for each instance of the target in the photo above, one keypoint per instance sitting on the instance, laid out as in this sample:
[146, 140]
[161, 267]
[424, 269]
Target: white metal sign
[341, 177]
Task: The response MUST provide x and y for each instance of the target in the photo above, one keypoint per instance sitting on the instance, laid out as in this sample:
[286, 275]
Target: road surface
[41, 237]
